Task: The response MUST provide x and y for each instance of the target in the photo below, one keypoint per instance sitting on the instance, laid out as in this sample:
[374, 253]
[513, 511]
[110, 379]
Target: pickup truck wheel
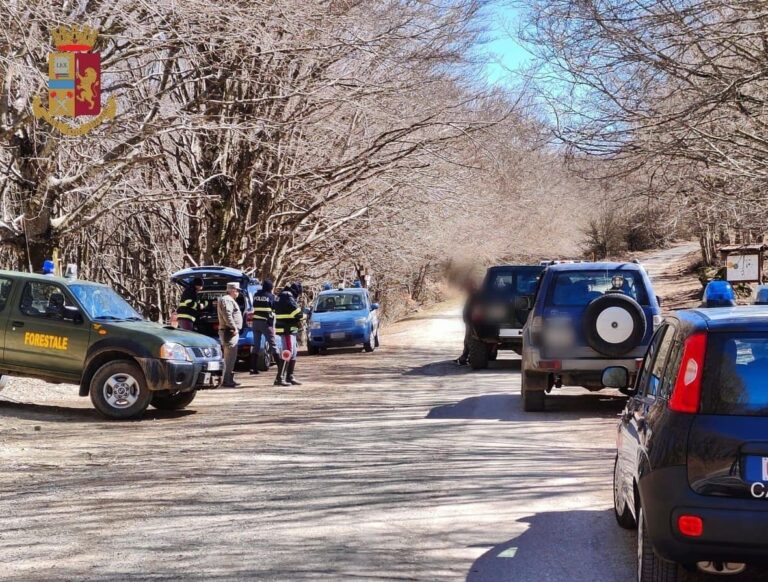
[370, 345]
[650, 567]
[532, 390]
[166, 401]
[493, 355]
[119, 390]
[312, 350]
[479, 353]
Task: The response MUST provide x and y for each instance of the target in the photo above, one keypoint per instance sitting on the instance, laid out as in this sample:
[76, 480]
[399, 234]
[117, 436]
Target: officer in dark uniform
[263, 323]
[190, 305]
[288, 317]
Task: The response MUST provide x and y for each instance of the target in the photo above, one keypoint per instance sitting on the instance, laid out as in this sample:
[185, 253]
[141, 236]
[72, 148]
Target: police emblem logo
[74, 83]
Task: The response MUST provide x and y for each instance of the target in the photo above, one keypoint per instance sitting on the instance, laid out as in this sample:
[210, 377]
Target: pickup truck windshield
[103, 303]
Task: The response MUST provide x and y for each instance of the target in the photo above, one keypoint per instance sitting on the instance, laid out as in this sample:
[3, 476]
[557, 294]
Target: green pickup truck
[63, 330]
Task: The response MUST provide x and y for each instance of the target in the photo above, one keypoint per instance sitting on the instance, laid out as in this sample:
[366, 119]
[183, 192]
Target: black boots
[285, 374]
[229, 382]
[254, 362]
[281, 369]
[291, 380]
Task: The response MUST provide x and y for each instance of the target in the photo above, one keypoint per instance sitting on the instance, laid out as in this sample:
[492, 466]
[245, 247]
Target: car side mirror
[658, 300]
[307, 311]
[374, 306]
[72, 314]
[616, 377]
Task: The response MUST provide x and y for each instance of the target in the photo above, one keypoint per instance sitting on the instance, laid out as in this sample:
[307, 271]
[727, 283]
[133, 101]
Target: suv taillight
[477, 313]
[686, 397]
[249, 318]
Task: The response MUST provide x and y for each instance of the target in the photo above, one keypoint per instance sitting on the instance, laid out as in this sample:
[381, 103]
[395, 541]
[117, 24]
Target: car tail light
[249, 318]
[477, 313]
[550, 364]
[638, 363]
[686, 396]
[690, 525]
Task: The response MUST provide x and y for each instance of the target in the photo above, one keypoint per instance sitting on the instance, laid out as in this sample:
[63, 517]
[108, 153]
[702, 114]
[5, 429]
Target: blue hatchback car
[586, 317]
[343, 318]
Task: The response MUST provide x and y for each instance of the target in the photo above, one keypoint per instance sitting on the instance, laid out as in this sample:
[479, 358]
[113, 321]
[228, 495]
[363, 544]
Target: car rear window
[735, 380]
[576, 288]
[512, 282]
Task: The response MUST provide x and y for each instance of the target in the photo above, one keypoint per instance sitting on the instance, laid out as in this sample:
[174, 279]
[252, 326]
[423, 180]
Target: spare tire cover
[614, 324]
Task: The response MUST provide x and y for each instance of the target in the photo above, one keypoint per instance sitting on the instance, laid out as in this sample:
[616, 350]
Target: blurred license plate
[497, 312]
[756, 469]
[213, 366]
[510, 332]
[206, 378]
[338, 335]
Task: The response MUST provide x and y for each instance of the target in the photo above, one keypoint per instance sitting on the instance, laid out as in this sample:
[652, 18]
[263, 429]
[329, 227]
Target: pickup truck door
[6, 288]
[44, 330]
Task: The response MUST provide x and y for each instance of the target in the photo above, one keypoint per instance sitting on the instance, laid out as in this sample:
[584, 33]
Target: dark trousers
[467, 337]
[261, 328]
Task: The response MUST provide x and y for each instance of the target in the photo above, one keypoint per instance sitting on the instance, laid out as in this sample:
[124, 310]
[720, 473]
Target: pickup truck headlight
[174, 351]
[315, 325]
[361, 321]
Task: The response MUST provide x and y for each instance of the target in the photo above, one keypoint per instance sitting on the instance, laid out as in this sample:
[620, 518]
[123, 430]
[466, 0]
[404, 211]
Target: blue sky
[503, 52]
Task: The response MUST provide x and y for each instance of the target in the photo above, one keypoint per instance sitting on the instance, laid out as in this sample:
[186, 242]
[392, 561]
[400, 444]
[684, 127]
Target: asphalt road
[395, 465]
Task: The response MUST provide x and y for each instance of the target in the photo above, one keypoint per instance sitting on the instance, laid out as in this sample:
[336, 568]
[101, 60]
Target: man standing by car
[471, 289]
[190, 305]
[263, 324]
[288, 317]
[230, 323]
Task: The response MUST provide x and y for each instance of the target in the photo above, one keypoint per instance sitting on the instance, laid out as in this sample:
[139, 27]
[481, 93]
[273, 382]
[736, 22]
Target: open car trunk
[215, 281]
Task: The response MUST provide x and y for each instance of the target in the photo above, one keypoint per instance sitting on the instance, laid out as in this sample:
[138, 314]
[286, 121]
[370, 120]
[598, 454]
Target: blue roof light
[762, 295]
[719, 294]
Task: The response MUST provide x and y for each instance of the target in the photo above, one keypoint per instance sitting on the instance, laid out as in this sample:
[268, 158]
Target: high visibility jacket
[264, 306]
[190, 305]
[288, 314]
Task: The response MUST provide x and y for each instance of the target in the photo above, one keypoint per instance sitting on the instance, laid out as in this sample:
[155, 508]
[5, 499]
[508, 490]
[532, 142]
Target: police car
[215, 279]
[64, 330]
[691, 470]
[343, 318]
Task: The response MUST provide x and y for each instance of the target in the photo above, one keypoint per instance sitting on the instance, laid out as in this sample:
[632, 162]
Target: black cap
[197, 282]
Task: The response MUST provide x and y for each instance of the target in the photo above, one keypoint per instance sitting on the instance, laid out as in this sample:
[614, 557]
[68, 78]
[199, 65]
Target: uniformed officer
[263, 323]
[230, 324]
[288, 317]
[190, 305]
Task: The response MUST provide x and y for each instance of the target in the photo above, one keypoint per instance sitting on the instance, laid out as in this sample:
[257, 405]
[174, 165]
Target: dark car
[586, 317]
[692, 462]
[499, 311]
